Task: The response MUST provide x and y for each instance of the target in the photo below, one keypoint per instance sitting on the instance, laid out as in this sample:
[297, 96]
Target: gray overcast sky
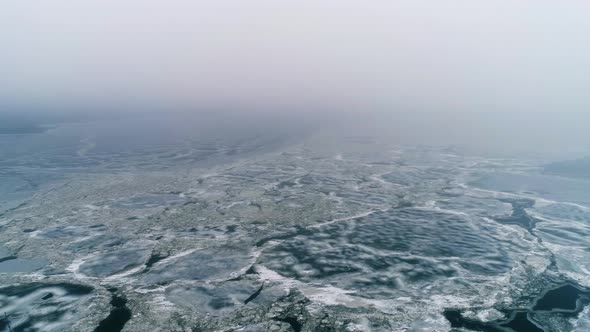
[493, 55]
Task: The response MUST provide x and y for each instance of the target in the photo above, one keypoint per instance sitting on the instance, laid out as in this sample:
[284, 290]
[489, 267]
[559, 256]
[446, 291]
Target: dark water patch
[562, 298]
[519, 215]
[47, 296]
[521, 322]
[553, 305]
[255, 295]
[7, 258]
[119, 316]
[154, 258]
[292, 321]
[525, 221]
[5, 323]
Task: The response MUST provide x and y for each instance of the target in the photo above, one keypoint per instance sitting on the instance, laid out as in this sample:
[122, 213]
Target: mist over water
[499, 75]
[550, 135]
